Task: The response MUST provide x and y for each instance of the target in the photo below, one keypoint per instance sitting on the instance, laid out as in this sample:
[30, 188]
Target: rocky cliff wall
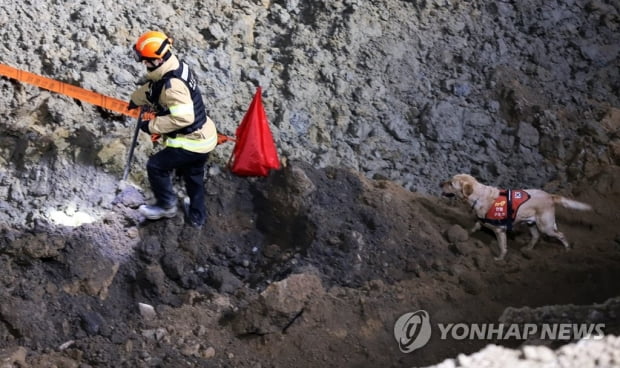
[516, 92]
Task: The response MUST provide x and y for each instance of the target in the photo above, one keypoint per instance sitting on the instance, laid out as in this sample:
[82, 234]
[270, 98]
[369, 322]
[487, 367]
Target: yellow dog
[537, 209]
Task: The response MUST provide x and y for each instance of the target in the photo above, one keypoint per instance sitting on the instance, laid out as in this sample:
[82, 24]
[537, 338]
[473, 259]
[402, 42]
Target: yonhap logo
[412, 330]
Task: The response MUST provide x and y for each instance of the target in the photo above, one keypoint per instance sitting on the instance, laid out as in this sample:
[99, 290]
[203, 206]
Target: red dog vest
[504, 209]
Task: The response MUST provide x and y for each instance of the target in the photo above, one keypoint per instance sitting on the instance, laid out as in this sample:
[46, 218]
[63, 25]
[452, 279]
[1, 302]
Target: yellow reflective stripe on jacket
[194, 145]
[184, 109]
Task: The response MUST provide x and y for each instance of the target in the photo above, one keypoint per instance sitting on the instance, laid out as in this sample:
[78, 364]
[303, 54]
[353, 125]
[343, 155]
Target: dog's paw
[477, 226]
[500, 258]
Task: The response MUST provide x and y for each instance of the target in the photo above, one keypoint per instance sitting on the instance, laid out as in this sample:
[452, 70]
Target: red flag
[255, 151]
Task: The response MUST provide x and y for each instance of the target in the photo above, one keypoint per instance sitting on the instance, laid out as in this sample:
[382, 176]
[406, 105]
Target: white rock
[539, 353]
[209, 353]
[147, 311]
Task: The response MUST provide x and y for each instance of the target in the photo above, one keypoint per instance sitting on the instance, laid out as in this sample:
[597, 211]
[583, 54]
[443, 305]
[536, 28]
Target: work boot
[153, 212]
[188, 219]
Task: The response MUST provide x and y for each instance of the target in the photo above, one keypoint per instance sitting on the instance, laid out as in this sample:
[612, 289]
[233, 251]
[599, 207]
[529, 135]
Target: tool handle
[133, 145]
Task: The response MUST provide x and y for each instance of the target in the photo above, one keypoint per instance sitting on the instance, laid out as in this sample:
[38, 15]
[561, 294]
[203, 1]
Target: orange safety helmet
[152, 45]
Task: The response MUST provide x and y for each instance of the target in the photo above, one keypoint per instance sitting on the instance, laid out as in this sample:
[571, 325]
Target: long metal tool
[133, 145]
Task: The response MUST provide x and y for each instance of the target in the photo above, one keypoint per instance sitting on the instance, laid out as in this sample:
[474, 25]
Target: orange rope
[66, 89]
[79, 93]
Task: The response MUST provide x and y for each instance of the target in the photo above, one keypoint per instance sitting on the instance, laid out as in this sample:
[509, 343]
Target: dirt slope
[286, 273]
[373, 103]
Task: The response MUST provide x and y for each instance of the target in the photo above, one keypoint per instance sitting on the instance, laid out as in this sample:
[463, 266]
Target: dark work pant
[189, 165]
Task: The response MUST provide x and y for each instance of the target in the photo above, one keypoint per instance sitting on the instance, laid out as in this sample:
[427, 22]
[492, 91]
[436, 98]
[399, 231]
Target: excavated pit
[371, 104]
[378, 250]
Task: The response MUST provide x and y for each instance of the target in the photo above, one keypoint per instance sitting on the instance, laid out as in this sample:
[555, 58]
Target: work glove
[144, 126]
[132, 105]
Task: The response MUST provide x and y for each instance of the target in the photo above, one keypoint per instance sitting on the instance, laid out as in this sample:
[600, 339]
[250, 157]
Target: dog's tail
[570, 203]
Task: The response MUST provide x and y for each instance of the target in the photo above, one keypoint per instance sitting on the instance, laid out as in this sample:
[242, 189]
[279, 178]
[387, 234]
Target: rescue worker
[181, 120]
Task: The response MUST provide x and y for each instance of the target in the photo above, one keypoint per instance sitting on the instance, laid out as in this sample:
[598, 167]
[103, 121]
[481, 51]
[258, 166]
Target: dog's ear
[468, 189]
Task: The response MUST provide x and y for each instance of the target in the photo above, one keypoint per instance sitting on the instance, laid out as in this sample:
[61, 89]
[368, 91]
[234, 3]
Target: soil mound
[305, 267]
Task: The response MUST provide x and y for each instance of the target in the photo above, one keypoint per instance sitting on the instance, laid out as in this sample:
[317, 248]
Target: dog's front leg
[476, 227]
[501, 242]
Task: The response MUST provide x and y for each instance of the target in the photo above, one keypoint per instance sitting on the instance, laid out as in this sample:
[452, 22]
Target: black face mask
[150, 66]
